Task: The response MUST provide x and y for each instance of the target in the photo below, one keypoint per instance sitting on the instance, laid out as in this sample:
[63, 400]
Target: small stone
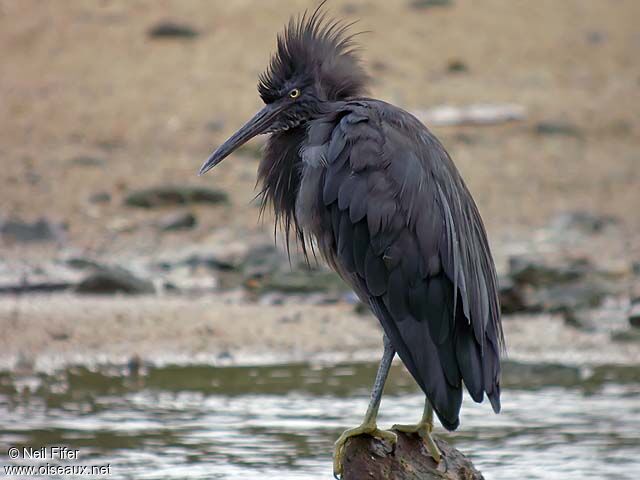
[536, 272]
[630, 335]
[100, 197]
[513, 297]
[170, 29]
[457, 66]
[177, 221]
[557, 128]
[59, 335]
[110, 280]
[587, 222]
[634, 313]
[421, 4]
[169, 195]
[41, 230]
[88, 161]
[134, 365]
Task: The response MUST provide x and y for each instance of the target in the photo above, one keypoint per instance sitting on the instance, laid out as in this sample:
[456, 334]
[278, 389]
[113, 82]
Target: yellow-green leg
[368, 426]
[424, 429]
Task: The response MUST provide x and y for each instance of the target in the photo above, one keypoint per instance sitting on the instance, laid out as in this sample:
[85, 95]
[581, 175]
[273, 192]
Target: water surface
[280, 422]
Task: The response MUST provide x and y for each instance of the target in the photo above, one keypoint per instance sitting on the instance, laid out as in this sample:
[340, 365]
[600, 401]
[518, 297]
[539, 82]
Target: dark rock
[82, 263]
[171, 29]
[631, 335]
[110, 280]
[39, 231]
[366, 457]
[47, 286]
[88, 161]
[557, 128]
[134, 365]
[100, 197]
[169, 195]
[634, 313]
[587, 222]
[573, 296]
[513, 297]
[563, 286]
[457, 66]
[421, 4]
[177, 221]
[59, 335]
[299, 281]
[539, 273]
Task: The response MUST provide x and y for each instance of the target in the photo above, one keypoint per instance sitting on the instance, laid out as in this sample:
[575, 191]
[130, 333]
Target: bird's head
[314, 63]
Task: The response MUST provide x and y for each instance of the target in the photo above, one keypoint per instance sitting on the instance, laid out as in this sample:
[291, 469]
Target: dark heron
[379, 196]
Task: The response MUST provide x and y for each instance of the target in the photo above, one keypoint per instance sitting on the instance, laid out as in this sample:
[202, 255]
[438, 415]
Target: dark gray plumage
[378, 194]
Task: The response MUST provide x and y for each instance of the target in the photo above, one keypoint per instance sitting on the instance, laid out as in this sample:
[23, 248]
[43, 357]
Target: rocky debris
[557, 128]
[88, 161]
[177, 221]
[168, 29]
[573, 296]
[539, 273]
[19, 277]
[583, 221]
[422, 4]
[368, 457]
[171, 195]
[100, 197]
[558, 286]
[109, 280]
[456, 65]
[81, 263]
[629, 335]
[634, 313]
[29, 286]
[41, 230]
[513, 298]
[298, 281]
[475, 114]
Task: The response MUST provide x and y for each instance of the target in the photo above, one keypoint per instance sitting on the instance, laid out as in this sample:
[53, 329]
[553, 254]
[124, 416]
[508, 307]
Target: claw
[364, 429]
[423, 429]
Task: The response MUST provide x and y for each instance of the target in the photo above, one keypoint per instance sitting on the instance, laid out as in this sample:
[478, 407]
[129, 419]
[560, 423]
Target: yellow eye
[295, 93]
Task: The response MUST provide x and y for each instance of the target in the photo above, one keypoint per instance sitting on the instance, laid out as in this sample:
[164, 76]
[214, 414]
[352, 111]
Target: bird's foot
[424, 429]
[364, 429]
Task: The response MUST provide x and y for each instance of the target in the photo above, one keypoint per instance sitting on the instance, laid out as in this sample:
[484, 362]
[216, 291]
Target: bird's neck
[279, 174]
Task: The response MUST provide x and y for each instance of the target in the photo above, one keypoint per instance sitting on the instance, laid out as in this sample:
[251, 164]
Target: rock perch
[369, 458]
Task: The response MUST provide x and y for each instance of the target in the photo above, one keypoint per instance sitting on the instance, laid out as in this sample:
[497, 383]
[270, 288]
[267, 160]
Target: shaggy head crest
[313, 51]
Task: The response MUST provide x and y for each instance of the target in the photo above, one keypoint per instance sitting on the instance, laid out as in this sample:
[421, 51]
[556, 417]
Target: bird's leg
[424, 429]
[368, 426]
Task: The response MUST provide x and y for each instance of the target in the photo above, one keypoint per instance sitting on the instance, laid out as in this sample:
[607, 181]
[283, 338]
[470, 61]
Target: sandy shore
[48, 332]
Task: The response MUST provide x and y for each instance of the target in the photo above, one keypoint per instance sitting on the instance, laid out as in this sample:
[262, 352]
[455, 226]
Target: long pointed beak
[260, 123]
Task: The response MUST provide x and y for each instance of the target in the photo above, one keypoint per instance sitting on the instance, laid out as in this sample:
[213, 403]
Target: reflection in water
[281, 421]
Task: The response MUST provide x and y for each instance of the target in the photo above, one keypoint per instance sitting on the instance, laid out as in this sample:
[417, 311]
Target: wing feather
[409, 239]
